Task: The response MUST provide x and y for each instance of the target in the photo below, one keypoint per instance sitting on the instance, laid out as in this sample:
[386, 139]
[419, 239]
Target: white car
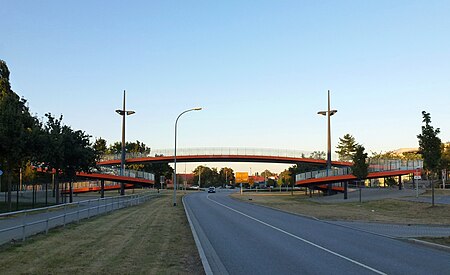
[212, 190]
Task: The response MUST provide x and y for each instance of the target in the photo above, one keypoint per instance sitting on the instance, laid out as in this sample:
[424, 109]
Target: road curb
[201, 252]
[425, 243]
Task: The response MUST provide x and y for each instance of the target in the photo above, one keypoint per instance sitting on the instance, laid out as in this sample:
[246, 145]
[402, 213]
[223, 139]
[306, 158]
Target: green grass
[152, 238]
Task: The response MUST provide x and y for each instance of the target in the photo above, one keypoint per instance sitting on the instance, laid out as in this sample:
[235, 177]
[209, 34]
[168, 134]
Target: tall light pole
[175, 156]
[328, 113]
[123, 113]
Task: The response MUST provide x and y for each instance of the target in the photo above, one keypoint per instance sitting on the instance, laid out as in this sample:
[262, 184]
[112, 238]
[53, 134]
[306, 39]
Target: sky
[260, 69]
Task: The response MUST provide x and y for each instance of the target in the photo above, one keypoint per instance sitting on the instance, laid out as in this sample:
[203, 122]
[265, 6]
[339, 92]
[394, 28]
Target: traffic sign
[1, 172]
[418, 174]
[241, 177]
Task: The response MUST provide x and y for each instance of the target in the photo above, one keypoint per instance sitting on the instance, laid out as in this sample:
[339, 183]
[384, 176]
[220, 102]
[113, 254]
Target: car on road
[212, 190]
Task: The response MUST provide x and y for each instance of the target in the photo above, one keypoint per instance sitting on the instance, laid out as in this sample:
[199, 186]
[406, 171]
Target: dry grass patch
[388, 210]
[152, 238]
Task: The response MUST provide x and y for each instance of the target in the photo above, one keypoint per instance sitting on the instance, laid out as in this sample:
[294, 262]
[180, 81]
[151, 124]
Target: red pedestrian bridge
[129, 176]
[378, 168]
[221, 155]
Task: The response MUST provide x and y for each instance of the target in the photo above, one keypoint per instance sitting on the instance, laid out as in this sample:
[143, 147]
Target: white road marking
[299, 238]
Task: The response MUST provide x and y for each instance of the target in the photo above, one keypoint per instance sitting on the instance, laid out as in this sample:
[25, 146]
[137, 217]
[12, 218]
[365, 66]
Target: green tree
[53, 154]
[115, 148]
[430, 149]
[317, 155]
[429, 145]
[346, 147]
[445, 156]
[208, 176]
[285, 177]
[226, 175]
[100, 147]
[266, 174]
[130, 147]
[79, 155]
[360, 168]
[16, 130]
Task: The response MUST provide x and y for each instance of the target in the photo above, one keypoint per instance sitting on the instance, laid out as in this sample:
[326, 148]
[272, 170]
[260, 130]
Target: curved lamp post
[328, 113]
[175, 156]
[123, 113]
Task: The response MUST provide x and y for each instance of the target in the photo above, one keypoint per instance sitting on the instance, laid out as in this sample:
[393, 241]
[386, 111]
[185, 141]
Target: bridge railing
[375, 165]
[127, 173]
[221, 151]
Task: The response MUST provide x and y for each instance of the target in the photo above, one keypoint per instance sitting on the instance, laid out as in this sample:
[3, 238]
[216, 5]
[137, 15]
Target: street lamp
[175, 156]
[328, 113]
[123, 113]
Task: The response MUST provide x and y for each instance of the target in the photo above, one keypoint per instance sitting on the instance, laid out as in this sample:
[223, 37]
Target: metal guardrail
[375, 165]
[40, 220]
[220, 151]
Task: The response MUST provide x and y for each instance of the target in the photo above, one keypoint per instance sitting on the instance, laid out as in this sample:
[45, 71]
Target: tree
[78, 154]
[346, 147]
[317, 155]
[130, 147]
[226, 175]
[445, 156]
[115, 148]
[429, 145]
[66, 152]
[208, 176]
[16, 130]
[360, 168]
[53, 154]
[266, 174]
[100, 147]
[430, 149]
[285, 177]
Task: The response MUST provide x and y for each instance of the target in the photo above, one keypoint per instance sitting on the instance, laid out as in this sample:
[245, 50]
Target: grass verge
[152, 238]
[388, 210]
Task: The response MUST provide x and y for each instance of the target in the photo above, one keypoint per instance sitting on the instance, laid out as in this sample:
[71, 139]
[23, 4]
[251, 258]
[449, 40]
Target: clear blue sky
[260, 69]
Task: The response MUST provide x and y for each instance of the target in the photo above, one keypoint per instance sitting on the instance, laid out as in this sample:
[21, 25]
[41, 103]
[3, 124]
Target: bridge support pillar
[345, 190]
[102, 188]
[399, 182]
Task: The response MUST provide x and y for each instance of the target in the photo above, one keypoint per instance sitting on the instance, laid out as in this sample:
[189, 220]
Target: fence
[21, 224]
[127, 173]
[221, 151]
[375, 165]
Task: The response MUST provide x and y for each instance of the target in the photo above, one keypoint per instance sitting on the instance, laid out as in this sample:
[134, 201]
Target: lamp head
[332, 112]
[324, 113]
[130, 112]
[197, 108]
[120, 112]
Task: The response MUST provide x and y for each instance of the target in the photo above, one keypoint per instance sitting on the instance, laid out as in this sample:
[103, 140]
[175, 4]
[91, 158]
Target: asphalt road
[241, 238]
